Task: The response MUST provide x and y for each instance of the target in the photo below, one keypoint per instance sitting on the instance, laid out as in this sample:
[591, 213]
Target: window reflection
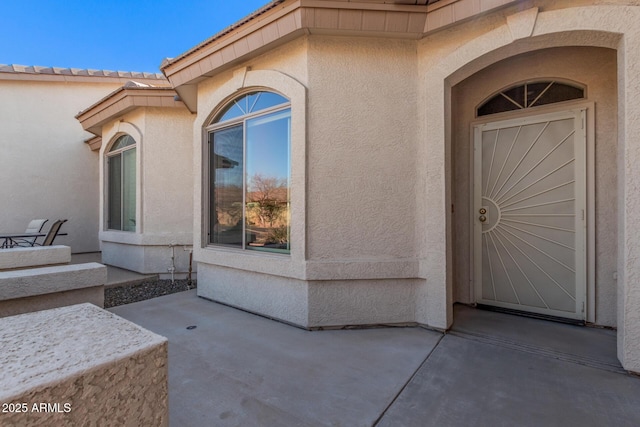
[121, 185]
[226, 188]
[249, 169]
[267, 197]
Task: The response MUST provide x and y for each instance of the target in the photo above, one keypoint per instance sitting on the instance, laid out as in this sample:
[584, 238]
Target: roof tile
[36, 69]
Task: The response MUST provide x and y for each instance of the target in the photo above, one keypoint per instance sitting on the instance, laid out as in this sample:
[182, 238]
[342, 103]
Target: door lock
[482, 211]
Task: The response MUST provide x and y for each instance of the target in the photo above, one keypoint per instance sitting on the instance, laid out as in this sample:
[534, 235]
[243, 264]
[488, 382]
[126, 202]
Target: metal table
[8, 241]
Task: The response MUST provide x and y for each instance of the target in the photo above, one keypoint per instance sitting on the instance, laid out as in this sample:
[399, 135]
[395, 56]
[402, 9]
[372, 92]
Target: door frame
[587, 108]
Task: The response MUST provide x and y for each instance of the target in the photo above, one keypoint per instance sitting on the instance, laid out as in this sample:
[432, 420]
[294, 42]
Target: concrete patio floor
[491, 369]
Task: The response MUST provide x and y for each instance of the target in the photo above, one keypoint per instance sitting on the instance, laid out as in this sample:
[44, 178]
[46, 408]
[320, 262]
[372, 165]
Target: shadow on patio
[239, 369]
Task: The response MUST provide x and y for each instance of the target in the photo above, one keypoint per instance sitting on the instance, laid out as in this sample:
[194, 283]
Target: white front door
[529, 214]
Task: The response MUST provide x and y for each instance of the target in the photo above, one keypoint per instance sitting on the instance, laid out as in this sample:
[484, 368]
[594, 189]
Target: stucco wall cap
[44, 348]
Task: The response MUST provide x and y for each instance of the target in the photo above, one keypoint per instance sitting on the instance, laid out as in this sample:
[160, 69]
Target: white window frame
[218, 126]
[108, 156]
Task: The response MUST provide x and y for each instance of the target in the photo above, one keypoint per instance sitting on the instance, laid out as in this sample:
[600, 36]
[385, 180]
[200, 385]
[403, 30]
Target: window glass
[250, 103]
[115, 194]
[121, 185]
[123, 141]
[529, 95]
[559, 93]
[264, 100]
[515, 96]
[249, 169]
[534, 90]
[226, 166]
[498, 104]
[129, 190]
[267, 193]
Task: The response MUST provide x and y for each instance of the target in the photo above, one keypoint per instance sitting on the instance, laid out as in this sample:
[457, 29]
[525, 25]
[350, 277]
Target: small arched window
[121, 184]
[250, 173]
[530, 95]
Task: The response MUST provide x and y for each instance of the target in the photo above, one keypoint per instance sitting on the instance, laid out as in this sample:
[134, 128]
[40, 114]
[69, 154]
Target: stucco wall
[277, 297]
[167, 183]
[362, 302]
[88, 366]
[48, 171]
[596, 69]
[164, 193]
[361, 156]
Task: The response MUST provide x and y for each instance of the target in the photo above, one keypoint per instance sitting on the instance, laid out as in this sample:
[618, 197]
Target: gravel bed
[126, 294]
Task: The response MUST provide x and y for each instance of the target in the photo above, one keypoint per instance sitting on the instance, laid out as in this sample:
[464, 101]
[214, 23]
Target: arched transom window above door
[530, 95]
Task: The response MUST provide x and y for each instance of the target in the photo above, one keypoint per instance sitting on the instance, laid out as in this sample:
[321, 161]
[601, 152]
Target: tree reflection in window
[249, 169]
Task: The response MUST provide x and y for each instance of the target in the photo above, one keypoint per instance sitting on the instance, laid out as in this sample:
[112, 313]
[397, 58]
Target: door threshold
[532, 315]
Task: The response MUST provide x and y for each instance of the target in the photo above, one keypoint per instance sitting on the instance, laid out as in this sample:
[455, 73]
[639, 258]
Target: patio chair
[35, 226]
[53, 232]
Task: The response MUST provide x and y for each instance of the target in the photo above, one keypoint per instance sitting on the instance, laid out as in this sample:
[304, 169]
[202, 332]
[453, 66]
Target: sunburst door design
[529, 214]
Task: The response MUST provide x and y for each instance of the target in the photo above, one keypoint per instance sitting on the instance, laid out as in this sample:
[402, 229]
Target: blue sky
[133, 35]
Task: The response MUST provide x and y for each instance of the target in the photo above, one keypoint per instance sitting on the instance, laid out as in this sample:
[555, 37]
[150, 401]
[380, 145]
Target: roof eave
[95, 143]
[123, 100]
[285, 20]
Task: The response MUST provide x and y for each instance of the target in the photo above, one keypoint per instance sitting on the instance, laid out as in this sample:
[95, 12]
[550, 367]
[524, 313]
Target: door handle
[482, 218]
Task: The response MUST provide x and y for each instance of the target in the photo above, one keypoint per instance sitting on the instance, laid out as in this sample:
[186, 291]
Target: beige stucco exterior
[81, 365]
[163, 191]
[337, 221]
[380, 127]
[48, 171]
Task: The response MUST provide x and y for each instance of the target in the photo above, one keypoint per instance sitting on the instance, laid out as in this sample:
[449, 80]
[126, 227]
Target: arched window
[121, 184]
[529, 95]
[250, 173]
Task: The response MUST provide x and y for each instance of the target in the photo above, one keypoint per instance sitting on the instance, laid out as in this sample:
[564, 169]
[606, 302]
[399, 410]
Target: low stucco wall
[46, 280]
[312, 304]
[362, 302]
[34, 256]
[146, 259]
[281, 298]
[91, 294]
[34, 289]
[86, 366]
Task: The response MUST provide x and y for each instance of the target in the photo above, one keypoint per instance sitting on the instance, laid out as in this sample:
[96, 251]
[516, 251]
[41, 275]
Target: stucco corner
[521, 24]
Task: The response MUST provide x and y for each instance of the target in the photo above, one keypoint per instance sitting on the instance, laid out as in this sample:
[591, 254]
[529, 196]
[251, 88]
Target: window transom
[529, 95]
